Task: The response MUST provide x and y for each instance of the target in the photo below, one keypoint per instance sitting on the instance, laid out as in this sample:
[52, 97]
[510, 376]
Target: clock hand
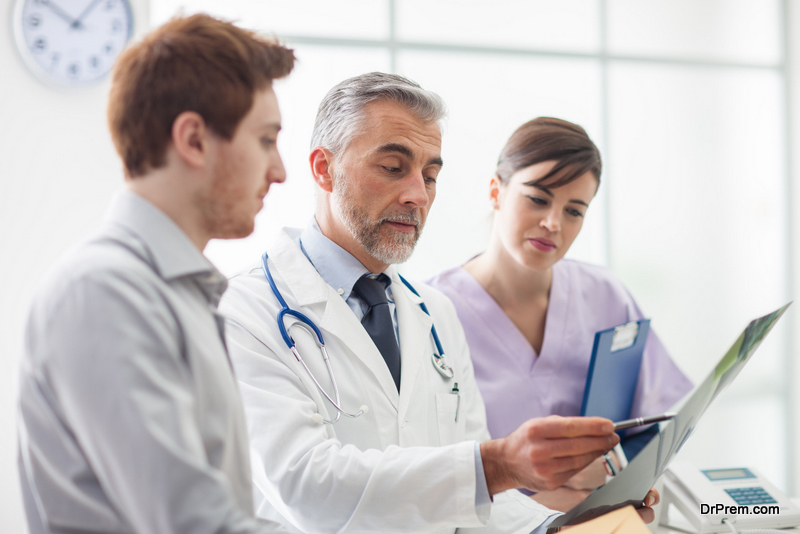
[60, 12]
[89, 8]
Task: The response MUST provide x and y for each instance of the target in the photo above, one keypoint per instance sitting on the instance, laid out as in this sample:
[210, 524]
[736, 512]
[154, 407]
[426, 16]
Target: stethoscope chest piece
[441, 366]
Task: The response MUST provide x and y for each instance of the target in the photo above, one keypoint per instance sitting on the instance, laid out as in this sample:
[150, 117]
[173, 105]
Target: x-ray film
[633, 483]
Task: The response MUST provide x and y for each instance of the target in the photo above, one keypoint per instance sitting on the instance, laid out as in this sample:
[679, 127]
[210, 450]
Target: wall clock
[71, 42]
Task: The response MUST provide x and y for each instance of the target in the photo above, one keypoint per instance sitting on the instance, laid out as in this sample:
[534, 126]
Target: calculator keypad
[748, 496]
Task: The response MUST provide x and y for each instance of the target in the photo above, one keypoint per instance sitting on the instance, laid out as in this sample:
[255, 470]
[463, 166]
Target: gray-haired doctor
[407, 448]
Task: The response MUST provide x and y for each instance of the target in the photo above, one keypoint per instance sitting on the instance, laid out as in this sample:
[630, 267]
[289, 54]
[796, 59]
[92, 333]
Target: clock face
[72, 42]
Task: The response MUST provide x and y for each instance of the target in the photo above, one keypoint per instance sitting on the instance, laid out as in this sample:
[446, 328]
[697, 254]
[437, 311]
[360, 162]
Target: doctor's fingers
[561, 447]
[555, 426]
[553, 473]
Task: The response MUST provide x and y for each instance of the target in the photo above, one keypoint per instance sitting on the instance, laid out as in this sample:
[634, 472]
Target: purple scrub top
[517, 384]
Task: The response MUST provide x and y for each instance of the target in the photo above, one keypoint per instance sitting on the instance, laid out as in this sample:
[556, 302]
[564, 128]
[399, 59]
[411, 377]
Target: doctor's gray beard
[390, 248]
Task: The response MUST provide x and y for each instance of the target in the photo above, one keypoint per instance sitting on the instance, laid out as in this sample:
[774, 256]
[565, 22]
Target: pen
[458, 398]
[640, 421]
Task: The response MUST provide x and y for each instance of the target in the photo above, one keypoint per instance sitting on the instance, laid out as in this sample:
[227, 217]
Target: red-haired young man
[131, 419]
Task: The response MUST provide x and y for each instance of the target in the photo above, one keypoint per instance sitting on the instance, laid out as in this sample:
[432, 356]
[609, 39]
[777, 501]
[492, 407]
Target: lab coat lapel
[323, 305]
[415, 339]
[340, 321]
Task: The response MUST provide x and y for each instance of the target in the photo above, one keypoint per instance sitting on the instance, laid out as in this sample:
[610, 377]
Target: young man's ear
[321, 161]
[190, 138]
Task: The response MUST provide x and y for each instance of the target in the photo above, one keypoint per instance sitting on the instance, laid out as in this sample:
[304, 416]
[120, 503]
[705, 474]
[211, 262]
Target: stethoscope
[307, 324]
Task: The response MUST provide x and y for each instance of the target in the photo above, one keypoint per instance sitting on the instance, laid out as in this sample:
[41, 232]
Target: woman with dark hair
[530, 316]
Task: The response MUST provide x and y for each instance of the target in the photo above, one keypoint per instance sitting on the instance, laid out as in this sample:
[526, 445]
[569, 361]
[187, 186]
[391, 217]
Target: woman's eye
[539, 201]
[266, 141]
[574, 212]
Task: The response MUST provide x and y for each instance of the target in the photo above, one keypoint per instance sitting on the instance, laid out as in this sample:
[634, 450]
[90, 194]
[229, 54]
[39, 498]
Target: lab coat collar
[171, 253]
[305, 283]
[338, 268]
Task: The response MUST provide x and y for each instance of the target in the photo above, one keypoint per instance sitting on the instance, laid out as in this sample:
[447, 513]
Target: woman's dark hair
[549, 139]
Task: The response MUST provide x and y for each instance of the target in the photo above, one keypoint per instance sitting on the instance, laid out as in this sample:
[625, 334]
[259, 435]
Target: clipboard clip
[625, 336]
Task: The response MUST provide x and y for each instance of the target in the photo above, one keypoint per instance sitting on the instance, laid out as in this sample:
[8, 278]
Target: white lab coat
[407, 465]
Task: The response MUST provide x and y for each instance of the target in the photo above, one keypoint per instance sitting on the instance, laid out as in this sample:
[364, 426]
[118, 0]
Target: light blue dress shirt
[341, 270]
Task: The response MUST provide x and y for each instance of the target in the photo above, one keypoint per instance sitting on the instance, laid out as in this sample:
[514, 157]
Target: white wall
[793, 23]
[58, 171]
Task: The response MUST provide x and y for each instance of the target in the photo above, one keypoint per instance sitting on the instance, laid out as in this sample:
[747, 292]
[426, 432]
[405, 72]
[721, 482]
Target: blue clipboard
[614, 370]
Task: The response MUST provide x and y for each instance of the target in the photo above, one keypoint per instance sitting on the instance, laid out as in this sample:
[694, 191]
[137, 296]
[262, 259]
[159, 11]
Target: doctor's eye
[392, 170]
[268, 141]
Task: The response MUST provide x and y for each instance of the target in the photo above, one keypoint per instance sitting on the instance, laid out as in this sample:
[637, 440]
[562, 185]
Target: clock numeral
[39, 45]
[34, 20]
[116, 25]
[41, 2]
[110, 5]
[73, 70]
[54, 58]
[109, 48]
[94, 61]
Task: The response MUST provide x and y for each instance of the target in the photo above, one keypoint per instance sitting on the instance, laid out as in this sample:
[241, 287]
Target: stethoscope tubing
[304, 322]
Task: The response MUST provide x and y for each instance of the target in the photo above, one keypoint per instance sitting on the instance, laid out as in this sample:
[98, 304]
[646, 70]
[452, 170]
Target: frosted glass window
[488, 97]
[566, 25]
[361, 19]
[731, 30]
[292, 203]
[698, 228]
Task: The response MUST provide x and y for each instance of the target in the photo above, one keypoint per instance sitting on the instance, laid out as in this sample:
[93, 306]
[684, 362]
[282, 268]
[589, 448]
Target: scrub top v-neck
[517, 384]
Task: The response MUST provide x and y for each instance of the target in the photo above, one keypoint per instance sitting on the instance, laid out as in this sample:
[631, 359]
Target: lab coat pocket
[450, 418]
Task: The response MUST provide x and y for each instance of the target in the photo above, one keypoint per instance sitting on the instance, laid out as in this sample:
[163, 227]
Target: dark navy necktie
[378, 320]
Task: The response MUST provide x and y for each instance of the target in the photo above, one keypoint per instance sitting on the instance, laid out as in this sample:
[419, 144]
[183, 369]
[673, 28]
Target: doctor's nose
[414, 191]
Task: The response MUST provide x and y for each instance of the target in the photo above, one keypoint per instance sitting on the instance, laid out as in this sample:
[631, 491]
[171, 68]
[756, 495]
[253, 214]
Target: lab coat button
[340, 291]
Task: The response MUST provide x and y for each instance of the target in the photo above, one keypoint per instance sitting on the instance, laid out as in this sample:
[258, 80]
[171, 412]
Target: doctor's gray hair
[341, 112]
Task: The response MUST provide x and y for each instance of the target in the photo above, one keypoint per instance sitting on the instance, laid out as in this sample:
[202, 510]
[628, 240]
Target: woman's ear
[494, 192]
[320, 160]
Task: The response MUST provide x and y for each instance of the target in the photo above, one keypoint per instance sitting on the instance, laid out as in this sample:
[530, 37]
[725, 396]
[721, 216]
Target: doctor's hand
[542, 454]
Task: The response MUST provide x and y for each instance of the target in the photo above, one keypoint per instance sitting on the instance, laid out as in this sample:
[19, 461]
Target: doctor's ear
[494, 192]
[321, 160]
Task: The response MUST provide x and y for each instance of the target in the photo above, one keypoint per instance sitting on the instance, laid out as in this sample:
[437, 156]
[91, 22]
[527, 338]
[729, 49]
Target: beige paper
[622, 521]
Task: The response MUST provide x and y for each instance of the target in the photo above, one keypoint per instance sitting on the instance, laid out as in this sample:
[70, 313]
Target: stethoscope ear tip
[316, 419]
[364, 409]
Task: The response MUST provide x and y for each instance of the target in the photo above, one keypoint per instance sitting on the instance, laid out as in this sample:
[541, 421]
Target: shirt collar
[172, 253]
[340, 269]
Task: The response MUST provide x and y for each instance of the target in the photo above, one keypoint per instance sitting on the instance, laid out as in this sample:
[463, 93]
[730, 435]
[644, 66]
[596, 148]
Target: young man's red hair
[196, 63]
